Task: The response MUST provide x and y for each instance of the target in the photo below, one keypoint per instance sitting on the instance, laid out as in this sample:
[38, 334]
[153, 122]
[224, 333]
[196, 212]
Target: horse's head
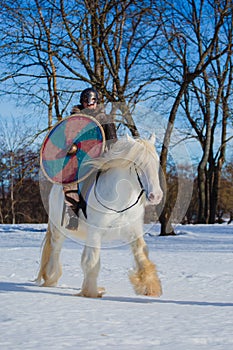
[147, 163]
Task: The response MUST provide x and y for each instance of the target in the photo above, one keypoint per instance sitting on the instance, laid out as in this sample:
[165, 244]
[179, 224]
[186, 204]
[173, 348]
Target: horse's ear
[152, 138]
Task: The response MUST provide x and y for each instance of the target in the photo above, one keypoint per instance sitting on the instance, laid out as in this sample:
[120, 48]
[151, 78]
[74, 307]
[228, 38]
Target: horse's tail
[46, 253]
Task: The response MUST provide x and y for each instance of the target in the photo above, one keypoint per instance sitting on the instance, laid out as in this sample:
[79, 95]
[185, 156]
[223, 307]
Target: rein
[127, 208]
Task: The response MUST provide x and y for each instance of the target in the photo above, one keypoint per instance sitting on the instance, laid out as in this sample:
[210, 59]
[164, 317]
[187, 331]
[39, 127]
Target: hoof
[146, 283]
[84, 293]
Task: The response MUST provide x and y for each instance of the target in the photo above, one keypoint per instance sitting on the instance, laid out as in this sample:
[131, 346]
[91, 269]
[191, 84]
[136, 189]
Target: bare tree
[212, 93]
[13, 139]
[183, 31]
[29, 71]
[57, 44]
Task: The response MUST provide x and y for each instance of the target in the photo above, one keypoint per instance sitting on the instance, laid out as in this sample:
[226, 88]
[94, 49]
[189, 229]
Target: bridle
[130, 206]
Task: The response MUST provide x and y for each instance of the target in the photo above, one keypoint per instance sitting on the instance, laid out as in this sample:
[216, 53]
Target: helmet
[87, 95]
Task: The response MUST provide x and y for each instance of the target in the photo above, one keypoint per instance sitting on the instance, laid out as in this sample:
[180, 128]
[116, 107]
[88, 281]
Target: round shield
[66, 148]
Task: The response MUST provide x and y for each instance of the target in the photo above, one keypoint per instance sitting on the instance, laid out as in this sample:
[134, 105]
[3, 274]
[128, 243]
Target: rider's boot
[72, 208]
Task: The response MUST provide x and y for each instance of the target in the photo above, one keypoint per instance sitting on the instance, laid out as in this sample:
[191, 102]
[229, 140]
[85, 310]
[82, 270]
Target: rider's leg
[72, 205]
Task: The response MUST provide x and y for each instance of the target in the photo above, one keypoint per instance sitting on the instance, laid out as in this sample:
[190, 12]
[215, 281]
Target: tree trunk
[201, 195]
[129, 119]
[231, 218]
[221, 159]
[12, 189]
[166, 226]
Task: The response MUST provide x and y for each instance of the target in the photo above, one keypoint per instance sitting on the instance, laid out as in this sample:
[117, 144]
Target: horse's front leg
[91, 266]
[144, 278]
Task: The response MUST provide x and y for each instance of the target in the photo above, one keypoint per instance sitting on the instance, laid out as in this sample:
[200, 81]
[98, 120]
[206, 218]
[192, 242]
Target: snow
[194, 312]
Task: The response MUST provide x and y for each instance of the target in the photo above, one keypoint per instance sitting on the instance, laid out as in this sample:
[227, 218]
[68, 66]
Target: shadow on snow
[31, 288]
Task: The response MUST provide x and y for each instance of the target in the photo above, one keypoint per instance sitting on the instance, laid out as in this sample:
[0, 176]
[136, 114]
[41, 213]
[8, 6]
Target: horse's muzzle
[155, 198]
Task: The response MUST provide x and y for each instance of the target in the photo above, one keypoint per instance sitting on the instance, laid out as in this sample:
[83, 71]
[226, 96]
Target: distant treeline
[24, 191]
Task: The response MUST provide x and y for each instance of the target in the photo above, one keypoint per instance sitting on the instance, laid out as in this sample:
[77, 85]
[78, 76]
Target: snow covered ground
[194, 312]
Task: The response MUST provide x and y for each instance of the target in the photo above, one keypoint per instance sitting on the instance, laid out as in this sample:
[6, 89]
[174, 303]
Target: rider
[89, 99]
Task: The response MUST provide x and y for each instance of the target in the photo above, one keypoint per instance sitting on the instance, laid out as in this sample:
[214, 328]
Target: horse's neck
[118, 185]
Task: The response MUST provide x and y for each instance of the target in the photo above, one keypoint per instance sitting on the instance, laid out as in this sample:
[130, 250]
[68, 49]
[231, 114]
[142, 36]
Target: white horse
[127, 181]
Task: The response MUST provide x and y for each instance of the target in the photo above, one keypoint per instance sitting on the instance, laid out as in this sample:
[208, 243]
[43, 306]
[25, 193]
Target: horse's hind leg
[50, 266]
[144, 278]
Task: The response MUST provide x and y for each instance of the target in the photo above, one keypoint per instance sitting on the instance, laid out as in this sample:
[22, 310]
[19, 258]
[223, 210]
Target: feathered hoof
[87, 294]
[145, 283]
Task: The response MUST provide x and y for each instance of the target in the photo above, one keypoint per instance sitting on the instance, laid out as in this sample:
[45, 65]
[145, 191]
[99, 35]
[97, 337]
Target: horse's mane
[124, 152]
